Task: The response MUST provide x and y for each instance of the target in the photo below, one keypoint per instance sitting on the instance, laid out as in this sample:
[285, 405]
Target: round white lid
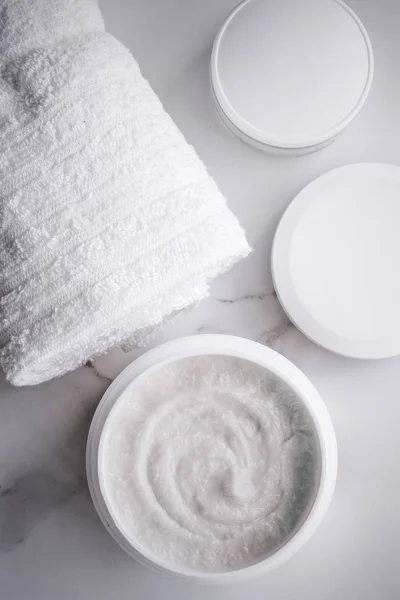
[336, 261]
[291, 73]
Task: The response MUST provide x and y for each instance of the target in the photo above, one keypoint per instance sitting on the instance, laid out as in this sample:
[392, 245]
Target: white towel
[109, 221]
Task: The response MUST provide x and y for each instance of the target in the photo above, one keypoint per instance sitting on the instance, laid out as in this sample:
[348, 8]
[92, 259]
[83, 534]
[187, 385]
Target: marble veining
[29, 500]
[91, 365]
[50, 468]
[246, 298]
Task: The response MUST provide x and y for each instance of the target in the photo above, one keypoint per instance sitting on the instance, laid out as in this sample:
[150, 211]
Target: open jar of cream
[212, 458]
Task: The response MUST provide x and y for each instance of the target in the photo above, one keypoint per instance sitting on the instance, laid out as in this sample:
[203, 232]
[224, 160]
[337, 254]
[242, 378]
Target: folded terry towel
[109, 221]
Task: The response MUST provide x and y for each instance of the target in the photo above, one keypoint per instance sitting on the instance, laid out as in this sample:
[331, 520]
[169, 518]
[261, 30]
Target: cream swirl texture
[211, 462]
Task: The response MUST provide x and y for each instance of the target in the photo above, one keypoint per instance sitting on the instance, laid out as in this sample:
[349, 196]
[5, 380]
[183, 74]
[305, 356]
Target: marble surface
[52, 545]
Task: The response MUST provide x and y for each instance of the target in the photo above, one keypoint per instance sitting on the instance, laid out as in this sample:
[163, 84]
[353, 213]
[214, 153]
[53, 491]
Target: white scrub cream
[212, 462]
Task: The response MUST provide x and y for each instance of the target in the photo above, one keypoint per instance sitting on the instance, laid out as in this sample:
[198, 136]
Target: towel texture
[109, 221]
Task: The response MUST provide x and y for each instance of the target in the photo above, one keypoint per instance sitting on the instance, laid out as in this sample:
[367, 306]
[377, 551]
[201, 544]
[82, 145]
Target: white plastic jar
[124, 386]
[289, 76]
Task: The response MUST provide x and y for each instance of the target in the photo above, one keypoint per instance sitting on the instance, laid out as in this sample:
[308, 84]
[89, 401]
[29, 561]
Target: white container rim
[267, 148]
[263, 138]
[212, 344]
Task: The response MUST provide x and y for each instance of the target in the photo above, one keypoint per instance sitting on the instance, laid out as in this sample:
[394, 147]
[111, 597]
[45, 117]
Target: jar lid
[290, 73]
[336, 260]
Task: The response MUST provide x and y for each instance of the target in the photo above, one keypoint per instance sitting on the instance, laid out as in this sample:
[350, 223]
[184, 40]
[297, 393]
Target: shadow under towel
[109, 221]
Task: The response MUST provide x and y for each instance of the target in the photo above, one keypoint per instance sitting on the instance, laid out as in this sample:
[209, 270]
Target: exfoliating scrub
[210, 462]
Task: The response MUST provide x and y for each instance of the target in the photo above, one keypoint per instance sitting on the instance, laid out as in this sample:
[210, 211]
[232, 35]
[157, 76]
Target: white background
[52, 545]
